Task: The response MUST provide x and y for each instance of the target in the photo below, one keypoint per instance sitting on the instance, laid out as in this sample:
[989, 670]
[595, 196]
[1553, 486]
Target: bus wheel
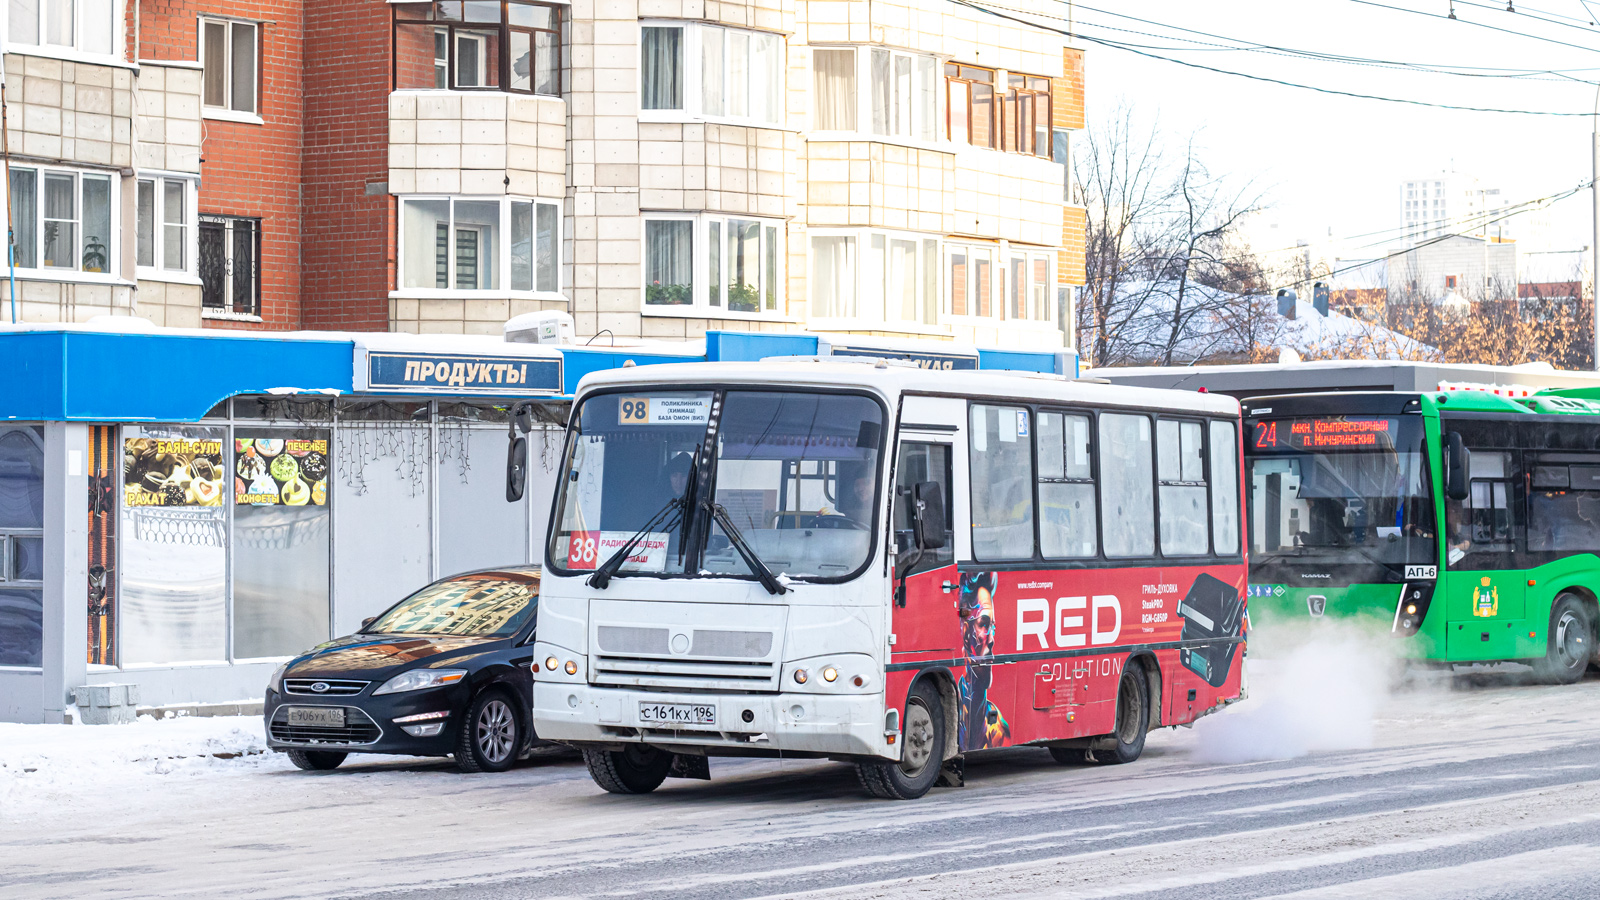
[921, 750]
[636, 769]
[1571, 642]
[1133, 721]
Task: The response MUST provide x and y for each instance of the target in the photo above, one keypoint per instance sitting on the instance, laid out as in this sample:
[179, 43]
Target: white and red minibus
[884, 565]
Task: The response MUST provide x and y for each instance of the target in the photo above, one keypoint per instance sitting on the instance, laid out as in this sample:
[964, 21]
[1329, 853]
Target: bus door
[926, 620]
[1483, 584]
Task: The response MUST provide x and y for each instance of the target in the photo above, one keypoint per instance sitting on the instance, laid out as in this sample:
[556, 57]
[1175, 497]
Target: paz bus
[878, 564]
[1463, 523]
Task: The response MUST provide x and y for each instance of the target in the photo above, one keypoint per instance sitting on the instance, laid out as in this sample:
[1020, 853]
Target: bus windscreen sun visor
[1212, 610]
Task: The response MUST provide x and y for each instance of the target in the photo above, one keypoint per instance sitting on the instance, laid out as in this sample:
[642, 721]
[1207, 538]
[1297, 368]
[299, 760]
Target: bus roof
[890, 379]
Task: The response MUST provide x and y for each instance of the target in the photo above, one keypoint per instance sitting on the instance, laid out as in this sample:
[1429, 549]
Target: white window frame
[503, 251]
[863, 71]
[72, 53]
[189, 274]
[858, 281]
[997, 295]
[39, 272]
[1033, 313]
[692, 44]
[227, 113]
[700, 267]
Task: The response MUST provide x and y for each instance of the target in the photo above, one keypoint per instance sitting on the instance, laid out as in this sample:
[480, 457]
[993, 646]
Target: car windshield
[1340, 490]
[795, 472]
[482, 604]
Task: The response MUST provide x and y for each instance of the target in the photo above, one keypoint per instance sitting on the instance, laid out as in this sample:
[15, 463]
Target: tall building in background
[1450, 203]
[655, 168]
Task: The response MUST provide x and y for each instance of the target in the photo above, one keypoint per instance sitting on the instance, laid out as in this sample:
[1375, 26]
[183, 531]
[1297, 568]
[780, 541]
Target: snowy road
[1466, 788]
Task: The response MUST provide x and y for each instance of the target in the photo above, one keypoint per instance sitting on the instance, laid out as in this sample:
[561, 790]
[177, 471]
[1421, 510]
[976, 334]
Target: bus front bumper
[844, 724]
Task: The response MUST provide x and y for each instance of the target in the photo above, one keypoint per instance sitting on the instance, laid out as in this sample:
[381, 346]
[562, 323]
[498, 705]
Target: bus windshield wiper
[602, 575]
[736, 538]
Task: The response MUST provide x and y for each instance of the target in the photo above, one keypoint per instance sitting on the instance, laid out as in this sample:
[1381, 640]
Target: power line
[1451, 18]
[1331, 91]
[1531, 13]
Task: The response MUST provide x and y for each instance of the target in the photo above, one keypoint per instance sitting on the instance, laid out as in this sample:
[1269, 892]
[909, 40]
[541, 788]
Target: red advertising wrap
[1037, 655]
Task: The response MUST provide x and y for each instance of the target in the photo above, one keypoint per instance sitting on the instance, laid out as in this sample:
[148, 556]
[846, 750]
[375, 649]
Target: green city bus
[1464, 524]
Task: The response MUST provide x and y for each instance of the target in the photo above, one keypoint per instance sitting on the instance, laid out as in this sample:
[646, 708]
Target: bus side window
[1180, 467]
[1127, 504]
[1002, 483]
[922, 462]
[1224, 489]
[1066, 488]
[1485, 528]
[1564, 506]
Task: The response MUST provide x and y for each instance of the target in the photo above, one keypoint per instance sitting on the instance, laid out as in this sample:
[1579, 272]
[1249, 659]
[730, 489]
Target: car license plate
[322, 716]
[677, 714]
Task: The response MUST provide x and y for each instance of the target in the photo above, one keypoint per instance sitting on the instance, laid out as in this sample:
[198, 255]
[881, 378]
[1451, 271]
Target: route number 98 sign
[674, 410]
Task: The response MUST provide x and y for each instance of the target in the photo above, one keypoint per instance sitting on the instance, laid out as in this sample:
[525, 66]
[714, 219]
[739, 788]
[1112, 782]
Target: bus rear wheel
[1126, 742]
[635, 769]
[1570, 647]
[922, 742]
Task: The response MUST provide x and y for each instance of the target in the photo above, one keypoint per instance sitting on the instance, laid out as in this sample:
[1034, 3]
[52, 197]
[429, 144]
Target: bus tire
[921, 750]
[636, 769]
[1126, 743]
[1570, 644]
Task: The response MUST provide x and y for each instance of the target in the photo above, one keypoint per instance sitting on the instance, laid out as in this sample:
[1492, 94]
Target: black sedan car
[444, 672]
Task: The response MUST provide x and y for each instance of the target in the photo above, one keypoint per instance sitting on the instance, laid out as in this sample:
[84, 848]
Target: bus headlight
[830, 674]
[801, 676]
[1412, 608]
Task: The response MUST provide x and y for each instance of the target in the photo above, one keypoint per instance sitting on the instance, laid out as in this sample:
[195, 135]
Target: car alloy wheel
[495, 731]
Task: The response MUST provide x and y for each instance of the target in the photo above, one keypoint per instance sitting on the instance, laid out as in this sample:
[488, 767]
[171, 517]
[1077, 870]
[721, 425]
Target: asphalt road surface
[1476, 786]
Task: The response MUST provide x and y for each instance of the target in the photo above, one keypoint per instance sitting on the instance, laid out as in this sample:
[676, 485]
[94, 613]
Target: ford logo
[320, 687]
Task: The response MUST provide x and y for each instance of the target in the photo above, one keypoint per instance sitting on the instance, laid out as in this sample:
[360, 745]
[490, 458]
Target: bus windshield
[794, 472]
[1339, 491]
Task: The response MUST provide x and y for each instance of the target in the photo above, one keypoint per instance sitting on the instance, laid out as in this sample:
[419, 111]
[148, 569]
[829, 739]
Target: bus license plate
[676, 714]
[324, 716]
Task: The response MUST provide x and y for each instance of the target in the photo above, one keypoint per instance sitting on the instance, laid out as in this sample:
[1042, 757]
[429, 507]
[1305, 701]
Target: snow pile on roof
[1338, 335]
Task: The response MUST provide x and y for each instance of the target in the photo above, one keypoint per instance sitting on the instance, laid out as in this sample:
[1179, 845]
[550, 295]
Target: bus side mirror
[1457, 462]
[516, 468]
[928, 502]
[368, 621]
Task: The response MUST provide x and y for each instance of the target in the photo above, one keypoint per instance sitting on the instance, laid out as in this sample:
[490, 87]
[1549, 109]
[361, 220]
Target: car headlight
[275, 683]
[417, 679]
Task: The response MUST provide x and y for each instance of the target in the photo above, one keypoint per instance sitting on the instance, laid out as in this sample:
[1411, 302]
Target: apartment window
[1450, 282]
[479, 244]
[229, 51]
[897, 279]
[62, 220]
[1025, 115]
[52, 23]
[708, 71]
[478, 45]
[230, 265]
[163, 224]
[971, 116]
[713, 265]
[901, 98]
[969, 280]
[1028, 287]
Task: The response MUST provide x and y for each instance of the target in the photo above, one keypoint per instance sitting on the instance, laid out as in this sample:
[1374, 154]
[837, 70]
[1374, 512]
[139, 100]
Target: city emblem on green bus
[1485, 599]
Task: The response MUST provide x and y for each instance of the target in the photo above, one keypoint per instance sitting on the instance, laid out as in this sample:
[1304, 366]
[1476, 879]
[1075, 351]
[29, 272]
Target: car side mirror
[1457, 463]
[516, 468]
[368, 621]
[927, 503]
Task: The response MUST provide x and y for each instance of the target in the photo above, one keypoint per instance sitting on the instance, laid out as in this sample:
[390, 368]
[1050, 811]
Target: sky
[1332, 164]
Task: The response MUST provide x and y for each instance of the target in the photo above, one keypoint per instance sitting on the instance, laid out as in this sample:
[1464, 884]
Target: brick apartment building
[653, 167]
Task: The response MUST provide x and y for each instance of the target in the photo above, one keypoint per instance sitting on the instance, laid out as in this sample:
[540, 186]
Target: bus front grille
[684, 673]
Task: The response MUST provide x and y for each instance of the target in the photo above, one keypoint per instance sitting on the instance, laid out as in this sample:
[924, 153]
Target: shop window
[21, 546]
[1067, 528]
[901, 100]
[469, 244]
[163, 224]
[1002, 489]
[1127, 501]
[711, 72]
[970, 101]
[63, 220]
[230, 265]
[229, 51]
[476, 45]
[970, 281]
[897, 282]
[737, 261]
[280, 540]
[52, 24]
